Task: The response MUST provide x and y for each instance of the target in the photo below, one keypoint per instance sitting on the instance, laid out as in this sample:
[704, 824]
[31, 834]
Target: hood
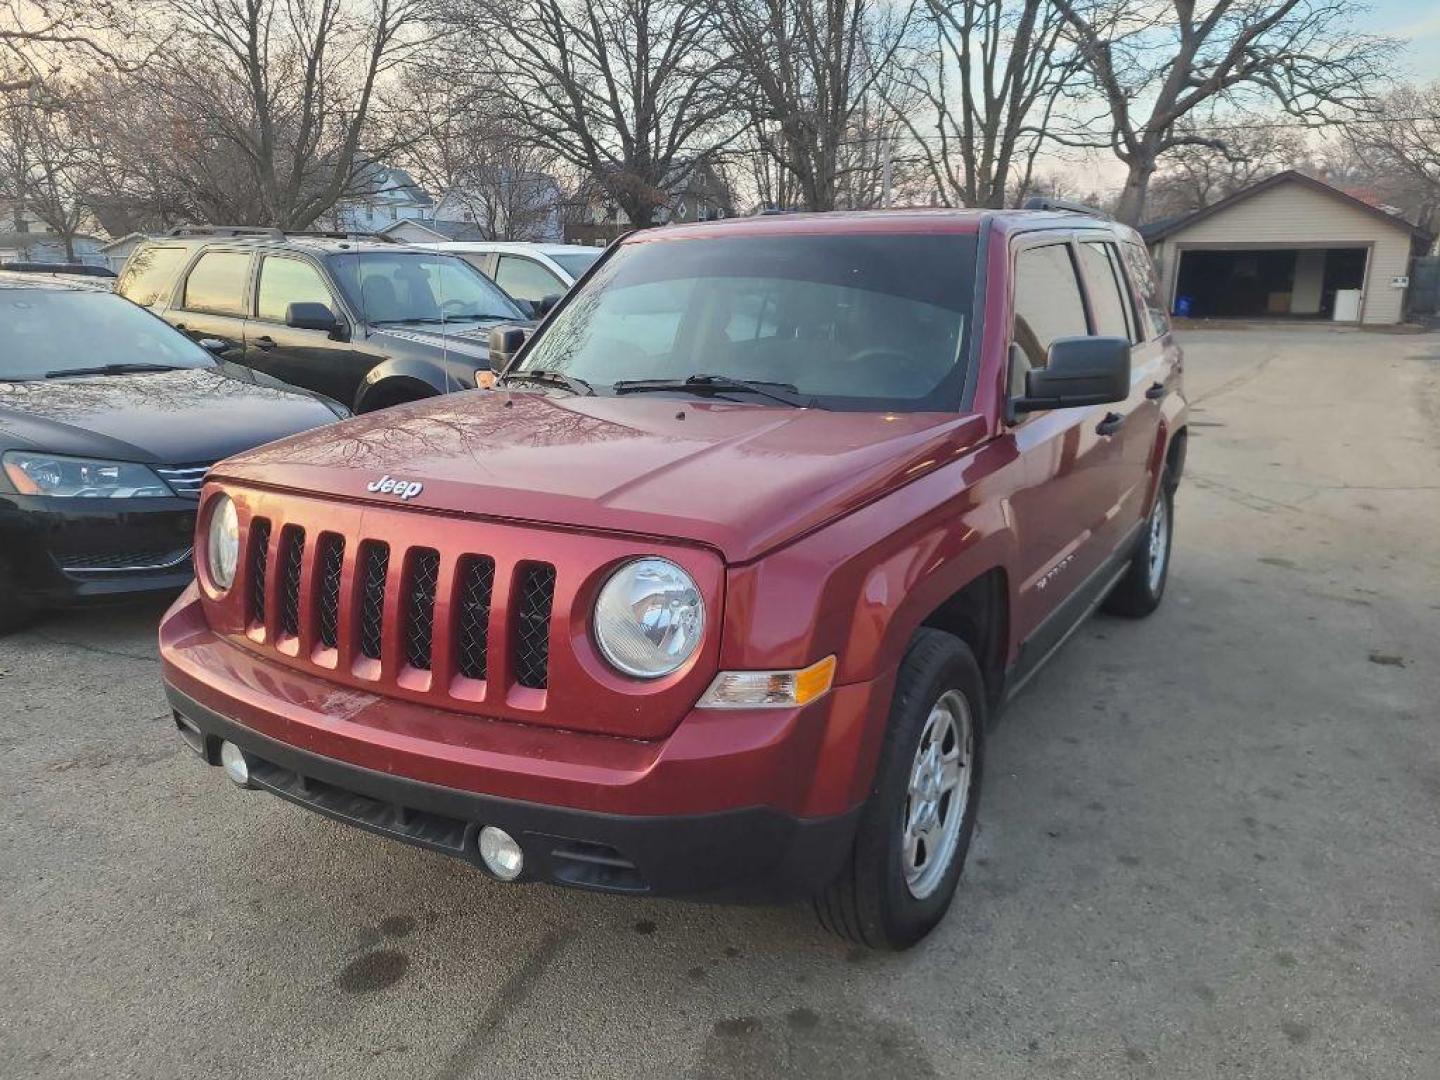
[740, 478]
[177, 417]
[473, 342]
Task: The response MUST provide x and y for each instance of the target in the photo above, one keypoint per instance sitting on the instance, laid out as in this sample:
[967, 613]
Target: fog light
[232, 760]
[500, 853]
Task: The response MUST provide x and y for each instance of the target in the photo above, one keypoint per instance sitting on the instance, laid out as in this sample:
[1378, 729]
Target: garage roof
[1158, 230]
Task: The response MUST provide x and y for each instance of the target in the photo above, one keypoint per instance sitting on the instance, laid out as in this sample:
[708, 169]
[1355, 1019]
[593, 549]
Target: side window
[288, 281]
[480, 261]
[1047, 306]
[1142, 271]
[149, 274]
[1113, 317]
[217, 283]
[526, 279]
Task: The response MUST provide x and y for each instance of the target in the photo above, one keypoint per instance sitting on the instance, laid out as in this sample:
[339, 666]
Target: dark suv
[359, 319]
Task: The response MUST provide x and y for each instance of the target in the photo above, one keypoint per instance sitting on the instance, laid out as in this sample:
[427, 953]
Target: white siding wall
[1292, 214]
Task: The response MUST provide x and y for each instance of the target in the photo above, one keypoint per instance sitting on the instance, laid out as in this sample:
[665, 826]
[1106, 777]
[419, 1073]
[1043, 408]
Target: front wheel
[1140, 591]
[916, 826]
[14, 612]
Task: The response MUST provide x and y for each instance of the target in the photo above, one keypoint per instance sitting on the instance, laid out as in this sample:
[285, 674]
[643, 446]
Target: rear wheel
[916, 826]
[1140, 591]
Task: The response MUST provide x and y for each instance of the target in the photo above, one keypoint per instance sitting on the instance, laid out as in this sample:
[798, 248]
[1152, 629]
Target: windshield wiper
[785, 393]
[550, 378]
[111, 369]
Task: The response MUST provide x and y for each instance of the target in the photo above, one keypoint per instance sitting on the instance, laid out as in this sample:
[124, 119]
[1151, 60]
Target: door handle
[1156, 391]
[266, 342]
[1110, 424]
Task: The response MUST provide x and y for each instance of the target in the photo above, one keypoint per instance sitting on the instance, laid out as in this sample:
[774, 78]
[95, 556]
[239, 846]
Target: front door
[1064, 516]
[314, 359]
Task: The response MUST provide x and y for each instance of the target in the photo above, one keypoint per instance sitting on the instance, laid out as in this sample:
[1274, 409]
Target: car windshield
[48, 332]
[413, 287]
[576, 263]
[862, 321]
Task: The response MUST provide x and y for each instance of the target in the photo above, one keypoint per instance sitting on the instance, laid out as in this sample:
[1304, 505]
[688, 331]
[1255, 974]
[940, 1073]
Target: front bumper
[74, 551]
[754, 854]
[731, 805]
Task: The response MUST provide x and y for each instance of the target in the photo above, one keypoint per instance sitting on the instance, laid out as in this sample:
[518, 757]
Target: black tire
[385, 397]
[14, 613]
[1140, 591]
[870, 902]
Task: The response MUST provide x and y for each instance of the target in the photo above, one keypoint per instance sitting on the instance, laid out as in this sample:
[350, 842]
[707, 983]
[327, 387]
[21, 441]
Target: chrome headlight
[222, 542]
[82, 478]
[649, 618]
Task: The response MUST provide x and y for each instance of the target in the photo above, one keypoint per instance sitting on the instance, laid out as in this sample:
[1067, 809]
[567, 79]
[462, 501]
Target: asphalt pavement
[1209, 841]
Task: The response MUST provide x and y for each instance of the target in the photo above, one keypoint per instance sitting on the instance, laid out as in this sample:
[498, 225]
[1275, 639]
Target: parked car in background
[109, 420]
[715, 594]
[359, 319]
[538, 274]
[98, 275]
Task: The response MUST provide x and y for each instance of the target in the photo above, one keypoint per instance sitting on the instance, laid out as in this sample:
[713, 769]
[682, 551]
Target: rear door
[526, 279]
[210, 304]
[1114, 314]
[325, 362]
[1064, 515]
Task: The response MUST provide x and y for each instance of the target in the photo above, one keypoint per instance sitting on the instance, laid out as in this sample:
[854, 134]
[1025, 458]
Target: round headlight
[222, 546]
[649, 618]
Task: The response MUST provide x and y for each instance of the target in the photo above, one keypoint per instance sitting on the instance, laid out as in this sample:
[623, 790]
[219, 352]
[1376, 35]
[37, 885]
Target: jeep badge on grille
[388, 485]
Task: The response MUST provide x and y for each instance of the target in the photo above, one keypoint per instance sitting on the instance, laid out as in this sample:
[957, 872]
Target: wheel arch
[390, 379]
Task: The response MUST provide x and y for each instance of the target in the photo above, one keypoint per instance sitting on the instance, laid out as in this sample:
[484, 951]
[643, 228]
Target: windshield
[52, 331]
[412, 287]
[848, 322]
[576, 263]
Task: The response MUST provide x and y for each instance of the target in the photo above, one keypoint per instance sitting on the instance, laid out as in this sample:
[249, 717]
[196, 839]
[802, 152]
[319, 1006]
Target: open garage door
[1257, 283]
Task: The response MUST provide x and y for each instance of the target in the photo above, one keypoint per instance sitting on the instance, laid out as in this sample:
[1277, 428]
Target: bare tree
[497, 179]
[990, 73]
[263, 107]
[1198, 174]
[1155, 63]
[44, 160]
[630, 93]
[1402, 149]
[810, 70]
[39, 39]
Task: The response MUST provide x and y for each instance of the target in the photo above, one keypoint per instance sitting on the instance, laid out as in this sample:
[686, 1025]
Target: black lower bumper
[748, 855]
[59, 555]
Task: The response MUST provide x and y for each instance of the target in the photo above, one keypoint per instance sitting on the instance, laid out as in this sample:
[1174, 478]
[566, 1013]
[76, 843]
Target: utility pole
[885, 174]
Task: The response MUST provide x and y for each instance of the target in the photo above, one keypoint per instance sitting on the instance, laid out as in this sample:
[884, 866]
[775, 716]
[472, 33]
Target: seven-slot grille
[183, 479]
[466, 583]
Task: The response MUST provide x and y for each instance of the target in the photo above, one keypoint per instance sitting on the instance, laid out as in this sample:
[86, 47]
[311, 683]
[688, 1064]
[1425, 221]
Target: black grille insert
[477, 579]
[532, 625]
[292, 555]
[375, 565]
[420, 606]
[259, 563]
[330, 564]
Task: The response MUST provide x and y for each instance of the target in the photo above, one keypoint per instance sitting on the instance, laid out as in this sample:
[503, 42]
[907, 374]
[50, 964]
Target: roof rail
[269, 233]
[226, 230]
[1069, 206]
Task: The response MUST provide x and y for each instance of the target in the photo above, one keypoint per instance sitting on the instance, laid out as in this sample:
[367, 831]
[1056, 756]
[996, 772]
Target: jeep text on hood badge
[388, 485]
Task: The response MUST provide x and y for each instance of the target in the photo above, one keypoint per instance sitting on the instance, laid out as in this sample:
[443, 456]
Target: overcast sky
[1418, 20]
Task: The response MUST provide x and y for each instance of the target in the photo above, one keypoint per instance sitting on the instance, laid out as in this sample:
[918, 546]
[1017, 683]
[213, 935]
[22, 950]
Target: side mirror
[505, 342]
[1078, 371]
[542, 307]
[308, 315]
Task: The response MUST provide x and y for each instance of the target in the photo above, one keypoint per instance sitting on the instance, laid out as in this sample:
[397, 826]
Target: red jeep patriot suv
[715, 593]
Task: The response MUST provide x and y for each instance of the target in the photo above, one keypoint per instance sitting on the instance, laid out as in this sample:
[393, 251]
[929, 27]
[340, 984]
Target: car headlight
[222, 542]
[649, 618]
[81, 478]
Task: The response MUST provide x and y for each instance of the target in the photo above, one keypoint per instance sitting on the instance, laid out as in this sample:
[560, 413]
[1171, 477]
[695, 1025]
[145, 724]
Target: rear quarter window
[150, 274]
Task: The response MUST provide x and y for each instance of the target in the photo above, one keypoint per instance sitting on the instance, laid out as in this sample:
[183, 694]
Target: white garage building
[1289, 246]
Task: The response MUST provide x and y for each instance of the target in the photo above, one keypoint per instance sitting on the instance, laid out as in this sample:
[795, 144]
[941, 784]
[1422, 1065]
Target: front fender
[426, 376]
